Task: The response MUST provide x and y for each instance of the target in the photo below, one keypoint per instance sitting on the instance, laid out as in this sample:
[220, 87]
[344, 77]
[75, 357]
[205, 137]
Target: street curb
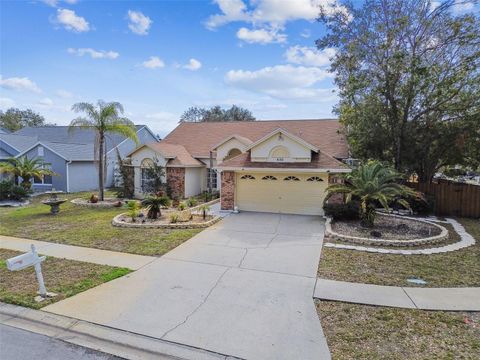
[101, 338]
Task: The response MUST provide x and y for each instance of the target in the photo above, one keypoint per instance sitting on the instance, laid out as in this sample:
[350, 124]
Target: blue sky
[160, 57]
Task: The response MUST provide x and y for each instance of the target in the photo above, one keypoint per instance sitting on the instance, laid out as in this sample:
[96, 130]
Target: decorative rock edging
[334, 236]
[118, 223]
[109, 203]
[466, 240]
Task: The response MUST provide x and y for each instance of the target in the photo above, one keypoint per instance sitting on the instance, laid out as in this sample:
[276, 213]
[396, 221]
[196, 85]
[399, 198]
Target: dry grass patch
[367, 332]
[64, 277]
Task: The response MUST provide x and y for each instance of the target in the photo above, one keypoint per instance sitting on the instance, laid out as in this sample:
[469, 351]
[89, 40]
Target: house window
[291, 178]
[279, 153]
[232, 153]
[247, 177]
[43, 180]
[146, 178]
[315, 178]
[269, 177]
[212, 174]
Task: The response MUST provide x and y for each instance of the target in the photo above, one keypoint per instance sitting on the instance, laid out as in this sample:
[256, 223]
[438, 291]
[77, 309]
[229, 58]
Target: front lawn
[61, 276]
[453, 269]
[90, 227]
[368, 332]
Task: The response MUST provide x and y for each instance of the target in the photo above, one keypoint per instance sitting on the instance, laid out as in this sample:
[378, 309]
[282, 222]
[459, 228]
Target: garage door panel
[280, 196]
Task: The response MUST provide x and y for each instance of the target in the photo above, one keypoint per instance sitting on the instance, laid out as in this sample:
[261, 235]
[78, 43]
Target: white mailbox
[30, 259]
[20, 262]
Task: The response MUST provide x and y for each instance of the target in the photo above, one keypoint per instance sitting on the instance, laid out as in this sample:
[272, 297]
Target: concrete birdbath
[54, 202]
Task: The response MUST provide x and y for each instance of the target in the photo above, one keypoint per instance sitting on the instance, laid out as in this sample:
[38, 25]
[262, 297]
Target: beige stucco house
[271, 166]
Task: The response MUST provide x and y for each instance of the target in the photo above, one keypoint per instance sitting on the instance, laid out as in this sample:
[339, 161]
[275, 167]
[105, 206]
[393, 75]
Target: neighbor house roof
[20, 143]
[67, 151]
[178, 155]
[77, 136]
[319, 160]
[4, 131]
[200, 138]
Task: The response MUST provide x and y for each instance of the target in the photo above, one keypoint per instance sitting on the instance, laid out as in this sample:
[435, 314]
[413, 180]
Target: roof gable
[200, 138]
[282, 132]
[242, 139]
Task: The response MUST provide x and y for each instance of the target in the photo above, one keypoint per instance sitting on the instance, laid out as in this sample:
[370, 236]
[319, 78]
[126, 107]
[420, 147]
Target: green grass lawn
[368, 332]
[63, 277]
[90, 227]
[453, 269]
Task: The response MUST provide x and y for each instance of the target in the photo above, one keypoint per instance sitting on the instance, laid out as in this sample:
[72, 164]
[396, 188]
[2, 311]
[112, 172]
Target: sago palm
[104, 118]
[26, 169]
[372, 183]
[154, 205]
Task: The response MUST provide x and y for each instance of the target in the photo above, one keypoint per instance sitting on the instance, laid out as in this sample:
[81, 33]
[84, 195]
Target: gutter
[68, 178]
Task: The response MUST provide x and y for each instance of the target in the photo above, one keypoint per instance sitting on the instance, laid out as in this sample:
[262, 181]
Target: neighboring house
[272, 166]
[70, 154]
[4, 131]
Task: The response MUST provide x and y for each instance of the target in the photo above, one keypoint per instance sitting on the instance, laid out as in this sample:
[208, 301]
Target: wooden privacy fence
[451, 198]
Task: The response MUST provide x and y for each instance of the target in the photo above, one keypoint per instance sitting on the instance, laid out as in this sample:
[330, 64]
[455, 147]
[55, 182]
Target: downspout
[68, 178]
[211, 170]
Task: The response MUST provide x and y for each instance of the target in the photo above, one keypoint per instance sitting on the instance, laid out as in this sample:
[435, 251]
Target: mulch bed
[391, 228]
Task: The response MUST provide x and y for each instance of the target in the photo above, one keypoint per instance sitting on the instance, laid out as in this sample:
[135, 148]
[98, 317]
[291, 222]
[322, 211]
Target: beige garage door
[281, 193]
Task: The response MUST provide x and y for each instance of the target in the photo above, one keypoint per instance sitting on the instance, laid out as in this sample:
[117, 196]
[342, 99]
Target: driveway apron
[242, 288]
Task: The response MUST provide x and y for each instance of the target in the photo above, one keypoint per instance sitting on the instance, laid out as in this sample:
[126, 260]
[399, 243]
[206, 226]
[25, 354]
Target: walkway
[447, 299]
[79, 253]
[465, 240]
[242, 288]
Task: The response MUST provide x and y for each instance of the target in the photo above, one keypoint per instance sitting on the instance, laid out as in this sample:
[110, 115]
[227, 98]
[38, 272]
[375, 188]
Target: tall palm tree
[372, 183]
[104, 118]
[26, 169]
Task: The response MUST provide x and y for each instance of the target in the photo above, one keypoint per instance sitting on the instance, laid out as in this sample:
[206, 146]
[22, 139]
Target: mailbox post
[23, 261]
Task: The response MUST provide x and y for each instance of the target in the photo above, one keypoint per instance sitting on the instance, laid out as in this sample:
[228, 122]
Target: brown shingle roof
[181, 157]
[199, 138]
[319, 161]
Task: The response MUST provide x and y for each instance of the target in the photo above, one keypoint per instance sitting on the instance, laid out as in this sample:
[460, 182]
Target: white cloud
[64, 94]
[280, 81]
[94, 54]
[463, 7]
[139, 23]
[19, 84]
[309, 56]
[232, 10]
[46, 102]
[54, 3]
[6, 103]
[261, 36]
[153, 62]
[72, 21]
[306, 33]
[274, 12]
[193, 65]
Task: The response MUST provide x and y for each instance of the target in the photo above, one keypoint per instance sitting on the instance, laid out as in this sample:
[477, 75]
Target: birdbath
[53, 201]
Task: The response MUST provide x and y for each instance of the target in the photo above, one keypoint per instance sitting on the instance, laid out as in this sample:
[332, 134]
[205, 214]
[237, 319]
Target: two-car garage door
[281, 192]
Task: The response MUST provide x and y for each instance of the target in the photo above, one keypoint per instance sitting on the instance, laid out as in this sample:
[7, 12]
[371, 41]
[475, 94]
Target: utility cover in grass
[417, 281]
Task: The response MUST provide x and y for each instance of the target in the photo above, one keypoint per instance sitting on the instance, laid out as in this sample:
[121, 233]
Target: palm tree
[104, 118]
[372, 183]
[26, 169]
[154, 205]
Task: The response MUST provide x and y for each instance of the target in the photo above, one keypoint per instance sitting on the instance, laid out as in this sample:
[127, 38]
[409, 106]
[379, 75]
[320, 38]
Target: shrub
[10, 191]
[348, 211]
[421, 204]
[133, 209]
[154, 205]
[191, 202]
[174, 218]
[182, 206]
[204, 209]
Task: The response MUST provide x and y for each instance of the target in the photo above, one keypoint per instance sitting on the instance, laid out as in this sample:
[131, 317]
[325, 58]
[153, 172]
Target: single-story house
[271, 166]
[70, 154]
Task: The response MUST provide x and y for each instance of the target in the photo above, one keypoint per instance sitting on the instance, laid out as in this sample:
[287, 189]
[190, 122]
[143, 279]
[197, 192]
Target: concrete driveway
[242, 288]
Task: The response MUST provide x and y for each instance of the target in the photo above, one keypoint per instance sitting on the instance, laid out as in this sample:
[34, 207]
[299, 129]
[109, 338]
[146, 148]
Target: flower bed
[394, 231]
[107, 203]
[195, 221]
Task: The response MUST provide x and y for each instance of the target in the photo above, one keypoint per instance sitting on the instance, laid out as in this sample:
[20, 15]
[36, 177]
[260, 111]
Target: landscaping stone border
[185, 225]
[466, 241]
[108, 203]
[335, 236]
